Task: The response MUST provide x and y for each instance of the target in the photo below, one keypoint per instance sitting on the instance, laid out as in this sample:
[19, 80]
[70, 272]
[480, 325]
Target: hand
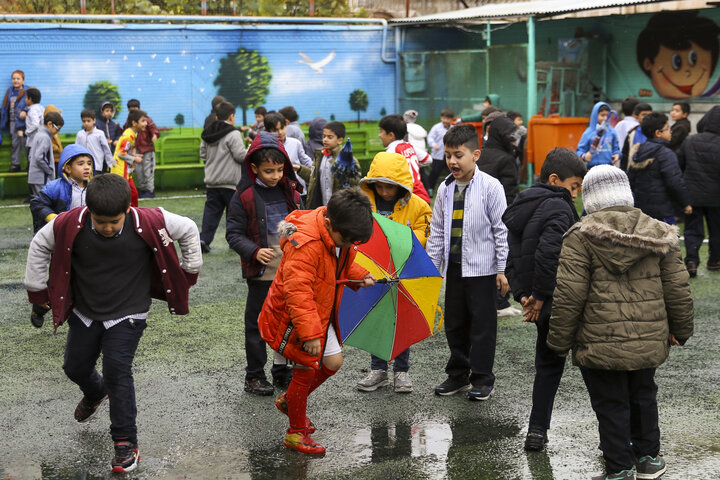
[296, 167]
[138, 158]
[531, 309]
[688, 210]
[673, 341]
[502, 283]
[244, 128]
[368, 281]
[265, 255]
[110, 142]
[20, 133]
[587, 157]
[436, 147]
[313, 347]
[616, 159]
[154, 138]
[22, 115]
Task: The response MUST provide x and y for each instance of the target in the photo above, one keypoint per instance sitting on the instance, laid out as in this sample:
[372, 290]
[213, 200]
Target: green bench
[177, 161]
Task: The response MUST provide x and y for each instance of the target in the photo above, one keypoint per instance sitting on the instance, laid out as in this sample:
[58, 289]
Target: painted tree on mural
[180, 120]
[244, 79]
[358, 102]
[103, 90]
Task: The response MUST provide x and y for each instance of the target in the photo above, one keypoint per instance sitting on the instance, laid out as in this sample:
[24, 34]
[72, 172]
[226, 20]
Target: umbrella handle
[347, 281]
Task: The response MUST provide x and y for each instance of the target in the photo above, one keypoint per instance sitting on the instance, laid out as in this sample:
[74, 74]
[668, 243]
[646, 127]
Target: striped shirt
[484, 247]
[457, 223]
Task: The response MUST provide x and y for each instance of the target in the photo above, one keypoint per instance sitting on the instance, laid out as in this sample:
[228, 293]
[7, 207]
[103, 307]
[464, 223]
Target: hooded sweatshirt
[409, 209]
[497, 158]
[41, 165]
[222, 150]
[622, 287]
[112, 130]
[607, 145]
[57, 196]
[315, 136]
[698, 157]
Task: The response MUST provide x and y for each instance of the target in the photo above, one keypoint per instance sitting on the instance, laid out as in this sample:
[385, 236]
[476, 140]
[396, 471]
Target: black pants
[438, 169]
[695, 233]
[118, 345]
[548, 371]
[255, 346]
[217, 201]
[625, 404]
[470, 326]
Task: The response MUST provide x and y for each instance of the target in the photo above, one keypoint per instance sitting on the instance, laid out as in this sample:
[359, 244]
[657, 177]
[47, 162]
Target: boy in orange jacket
[299, 317]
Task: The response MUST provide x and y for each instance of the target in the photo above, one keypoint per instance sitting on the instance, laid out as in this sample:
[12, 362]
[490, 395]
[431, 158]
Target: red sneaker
[281, 404]
[126, 457]
[303, 444]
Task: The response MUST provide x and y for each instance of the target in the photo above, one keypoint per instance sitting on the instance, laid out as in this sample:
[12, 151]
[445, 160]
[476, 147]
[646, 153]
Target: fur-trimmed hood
[622, 236]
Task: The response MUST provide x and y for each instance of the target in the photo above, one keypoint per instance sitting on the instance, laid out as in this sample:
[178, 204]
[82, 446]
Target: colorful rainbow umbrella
[399, 310]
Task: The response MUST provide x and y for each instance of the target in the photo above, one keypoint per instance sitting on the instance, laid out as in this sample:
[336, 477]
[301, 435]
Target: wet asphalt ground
[195, 420]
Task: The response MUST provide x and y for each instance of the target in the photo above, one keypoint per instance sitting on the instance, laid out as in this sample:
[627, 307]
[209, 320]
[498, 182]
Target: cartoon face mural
[679, 52]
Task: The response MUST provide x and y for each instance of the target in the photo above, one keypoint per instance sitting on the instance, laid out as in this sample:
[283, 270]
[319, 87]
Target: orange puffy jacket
[304, 297]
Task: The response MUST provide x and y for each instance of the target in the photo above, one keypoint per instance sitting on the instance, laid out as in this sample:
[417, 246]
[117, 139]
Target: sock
[322, 374]
[296, 397]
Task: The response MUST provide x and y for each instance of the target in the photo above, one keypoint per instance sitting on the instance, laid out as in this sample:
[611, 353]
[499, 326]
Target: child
[94, 140]
[34, 117]
[106, 302]
[259, 124]
[437, 152]
[212, 117]
[497, 158]
[389, 185]
[537, 221]
[56, 142]
[315, 136]
[392, 132]
[265, 196]
[104, 123]
[12, 116]
[681, 126]
[468, 243]
[222, 150]
[416, 136]
[62, 194]
[622, 299]
[275, 123]
[125, 154]
[322, 181]
[519, 137]
[628, 122]
[634, 137]
[293, 127]
[298, 319]
[598, 144]
[41, 165]
[701, 172]
[145, 146]
[654, 173]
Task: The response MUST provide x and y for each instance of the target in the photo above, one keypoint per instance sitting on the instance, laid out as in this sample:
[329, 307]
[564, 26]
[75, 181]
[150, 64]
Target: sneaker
[86, 409]
[15, 168]
[509, 312]
[37, 315]
[282, 382]
[204, 247]
[146, 194]
[453, 385]
[281, 404]
[302, 443]
[692, 268]
[126, 457]
[403, 384]
[375, 380]
[536, 439]
[713, 266]
[650, 468]
[624, 475]
[482, 392]
[258, 386]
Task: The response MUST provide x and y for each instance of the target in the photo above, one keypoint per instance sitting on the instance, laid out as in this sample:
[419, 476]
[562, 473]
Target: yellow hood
[388, 168]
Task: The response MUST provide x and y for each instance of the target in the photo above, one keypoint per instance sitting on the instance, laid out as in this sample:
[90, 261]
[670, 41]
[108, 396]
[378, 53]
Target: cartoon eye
[692, 58]
[676, 61]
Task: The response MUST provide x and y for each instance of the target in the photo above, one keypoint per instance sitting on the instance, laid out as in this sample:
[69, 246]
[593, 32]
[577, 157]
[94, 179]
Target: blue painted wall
[171, 68]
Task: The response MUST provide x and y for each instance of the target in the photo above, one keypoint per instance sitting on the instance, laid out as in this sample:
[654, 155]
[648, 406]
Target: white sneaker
[509, 312]
[403, 384]
[375, 380]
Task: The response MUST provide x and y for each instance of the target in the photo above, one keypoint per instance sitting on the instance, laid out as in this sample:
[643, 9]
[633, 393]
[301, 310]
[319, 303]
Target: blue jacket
[56, 196]
[20, 105]
[608, 145]
[112, 130]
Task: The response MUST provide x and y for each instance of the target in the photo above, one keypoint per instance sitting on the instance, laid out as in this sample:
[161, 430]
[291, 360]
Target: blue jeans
[400, 364]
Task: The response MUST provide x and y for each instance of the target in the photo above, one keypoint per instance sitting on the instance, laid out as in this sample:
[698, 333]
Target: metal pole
[488, 43]
[203, 7]
[407, 8]
[312, 8]
[82, 7]
[531, 75]
[112, 7]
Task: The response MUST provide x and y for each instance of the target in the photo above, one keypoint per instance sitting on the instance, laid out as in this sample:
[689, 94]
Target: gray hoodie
[41, 166]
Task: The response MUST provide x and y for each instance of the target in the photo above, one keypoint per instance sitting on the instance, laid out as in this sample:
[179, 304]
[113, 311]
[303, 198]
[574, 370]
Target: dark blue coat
[656, 180]
[699, 157]
[112, 130]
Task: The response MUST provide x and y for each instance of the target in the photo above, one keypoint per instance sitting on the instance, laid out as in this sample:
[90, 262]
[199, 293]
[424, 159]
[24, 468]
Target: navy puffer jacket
[656, 180]
[699, 157]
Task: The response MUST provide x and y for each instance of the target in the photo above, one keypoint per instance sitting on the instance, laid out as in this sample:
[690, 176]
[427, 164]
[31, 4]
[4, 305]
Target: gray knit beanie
[410, 116]
[606, 186]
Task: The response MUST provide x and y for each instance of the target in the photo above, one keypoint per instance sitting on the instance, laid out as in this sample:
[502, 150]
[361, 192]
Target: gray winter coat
[222, 151]
[621, 289]
[41, 165]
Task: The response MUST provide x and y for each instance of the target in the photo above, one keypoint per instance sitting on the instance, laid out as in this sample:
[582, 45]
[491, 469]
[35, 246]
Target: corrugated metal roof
[496, 11]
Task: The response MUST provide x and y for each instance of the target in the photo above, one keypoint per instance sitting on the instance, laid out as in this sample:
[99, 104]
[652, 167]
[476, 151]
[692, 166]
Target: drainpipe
[28, 17]
[488, 43]
[531, 75]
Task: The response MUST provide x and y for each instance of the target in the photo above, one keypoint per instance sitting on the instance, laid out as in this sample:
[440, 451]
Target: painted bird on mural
[316, 66]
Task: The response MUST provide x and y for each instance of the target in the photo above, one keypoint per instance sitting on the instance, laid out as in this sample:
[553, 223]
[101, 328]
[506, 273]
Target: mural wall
[175, 71]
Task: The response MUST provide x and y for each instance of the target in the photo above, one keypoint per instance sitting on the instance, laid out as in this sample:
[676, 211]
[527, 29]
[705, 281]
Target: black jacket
[680, 131]
[699, 158]
[537, 221]
[656, 180]
[497, 157]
